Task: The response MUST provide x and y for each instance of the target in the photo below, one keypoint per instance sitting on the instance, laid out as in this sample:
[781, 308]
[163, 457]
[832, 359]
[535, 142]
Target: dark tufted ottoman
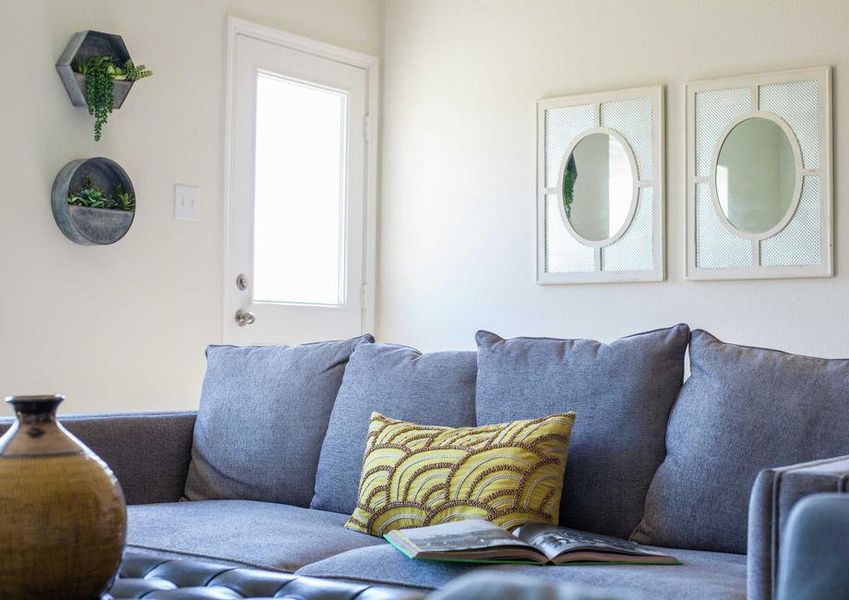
[157, 578]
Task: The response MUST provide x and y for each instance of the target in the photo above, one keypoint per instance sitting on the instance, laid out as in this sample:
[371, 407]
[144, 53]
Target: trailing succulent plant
[100, 74]
[91, 196]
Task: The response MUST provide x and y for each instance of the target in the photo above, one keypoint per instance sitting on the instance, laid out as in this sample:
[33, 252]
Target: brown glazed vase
[63, 520]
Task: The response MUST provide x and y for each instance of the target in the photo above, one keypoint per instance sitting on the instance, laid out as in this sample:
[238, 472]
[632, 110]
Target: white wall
[457, 215]
[124, 327]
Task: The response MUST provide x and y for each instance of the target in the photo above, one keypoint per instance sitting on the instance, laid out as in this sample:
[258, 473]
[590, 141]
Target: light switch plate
[186, 202]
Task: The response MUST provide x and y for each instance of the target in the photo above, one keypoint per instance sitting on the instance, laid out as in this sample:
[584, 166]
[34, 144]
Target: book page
[468, 534]
[554, 541]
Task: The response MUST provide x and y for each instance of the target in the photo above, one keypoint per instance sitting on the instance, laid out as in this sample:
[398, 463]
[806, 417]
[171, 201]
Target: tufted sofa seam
[374, 582]
[210, 557]
[155, 566]
[153, 577]
[238, 591]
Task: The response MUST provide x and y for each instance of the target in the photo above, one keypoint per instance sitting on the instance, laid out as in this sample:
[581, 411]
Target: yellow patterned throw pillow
[416, 475]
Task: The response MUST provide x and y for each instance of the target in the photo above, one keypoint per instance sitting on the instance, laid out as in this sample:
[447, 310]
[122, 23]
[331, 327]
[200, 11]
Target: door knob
[244, 317]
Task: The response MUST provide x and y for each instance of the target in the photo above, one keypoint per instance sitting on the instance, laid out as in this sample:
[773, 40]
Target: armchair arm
[775, 493]
[148, 452]
[815, 548]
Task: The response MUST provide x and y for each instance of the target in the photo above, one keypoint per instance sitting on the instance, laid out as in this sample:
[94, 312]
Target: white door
[296, 264]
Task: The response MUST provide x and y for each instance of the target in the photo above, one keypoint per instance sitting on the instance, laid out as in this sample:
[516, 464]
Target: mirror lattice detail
[633, 119]
[715, 110]
[563, 253]
[716, 247]
[633, 251]
[562, 125]
[600, 187]
[799, 243]
[759, 196]
[798, 103]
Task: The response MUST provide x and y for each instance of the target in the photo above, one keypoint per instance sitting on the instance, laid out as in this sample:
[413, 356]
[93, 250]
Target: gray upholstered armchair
[816, 543]
[799, 536]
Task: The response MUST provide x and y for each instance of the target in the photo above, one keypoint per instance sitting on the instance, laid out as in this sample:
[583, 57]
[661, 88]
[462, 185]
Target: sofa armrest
[775, 493]
[814, 549]
[148, 452]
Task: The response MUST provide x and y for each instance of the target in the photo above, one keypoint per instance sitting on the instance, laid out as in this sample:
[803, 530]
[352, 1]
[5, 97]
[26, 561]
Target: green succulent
[100, 74]
[123, 199]
[91, 196]
[98, 90]
[132, 72]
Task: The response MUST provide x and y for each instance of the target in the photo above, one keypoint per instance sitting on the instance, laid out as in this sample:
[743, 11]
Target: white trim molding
[371, 65]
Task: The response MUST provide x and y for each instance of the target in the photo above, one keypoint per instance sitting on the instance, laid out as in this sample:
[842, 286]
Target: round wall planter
[91, 226]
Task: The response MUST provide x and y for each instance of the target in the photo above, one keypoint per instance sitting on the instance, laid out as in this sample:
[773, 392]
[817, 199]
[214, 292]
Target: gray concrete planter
[120, 91]
[84, 45]
[91, 226]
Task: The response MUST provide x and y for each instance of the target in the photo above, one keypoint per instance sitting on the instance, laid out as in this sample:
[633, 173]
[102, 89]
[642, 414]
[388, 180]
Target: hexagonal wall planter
[91, 226]
[84, 45]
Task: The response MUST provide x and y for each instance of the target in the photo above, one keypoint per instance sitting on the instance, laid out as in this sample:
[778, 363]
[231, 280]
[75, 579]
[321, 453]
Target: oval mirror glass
[598, 187]
[755, 175]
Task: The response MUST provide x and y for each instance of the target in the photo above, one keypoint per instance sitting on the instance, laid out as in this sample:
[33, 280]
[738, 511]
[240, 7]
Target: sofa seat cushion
[241, 532]
[704, 575]
[621, 392]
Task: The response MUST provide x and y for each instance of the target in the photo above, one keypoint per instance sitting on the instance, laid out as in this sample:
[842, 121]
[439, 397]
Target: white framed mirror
[600, 187]
[759, 176]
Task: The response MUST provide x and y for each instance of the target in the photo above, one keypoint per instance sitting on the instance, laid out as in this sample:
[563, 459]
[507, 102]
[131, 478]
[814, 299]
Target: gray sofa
[683, 469]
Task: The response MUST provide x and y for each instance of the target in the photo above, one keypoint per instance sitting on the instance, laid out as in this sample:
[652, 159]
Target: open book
[476, 540]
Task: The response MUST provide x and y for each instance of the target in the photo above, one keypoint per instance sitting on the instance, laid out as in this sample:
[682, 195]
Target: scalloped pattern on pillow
[414, 475]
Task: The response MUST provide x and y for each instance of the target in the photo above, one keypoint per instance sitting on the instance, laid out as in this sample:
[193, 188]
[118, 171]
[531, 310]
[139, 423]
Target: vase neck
[36, 432]
[36, 408]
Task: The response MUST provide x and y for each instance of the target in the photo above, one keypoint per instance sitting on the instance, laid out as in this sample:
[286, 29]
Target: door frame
[371, 65]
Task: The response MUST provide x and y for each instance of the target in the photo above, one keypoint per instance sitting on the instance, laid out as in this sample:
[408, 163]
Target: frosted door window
[299, 195]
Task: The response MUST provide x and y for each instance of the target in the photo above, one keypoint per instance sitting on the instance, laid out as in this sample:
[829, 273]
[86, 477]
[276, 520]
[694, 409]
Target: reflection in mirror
[598, 187]
[755, 175]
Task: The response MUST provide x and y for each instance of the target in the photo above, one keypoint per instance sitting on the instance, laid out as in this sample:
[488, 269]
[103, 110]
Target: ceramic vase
[62, 513]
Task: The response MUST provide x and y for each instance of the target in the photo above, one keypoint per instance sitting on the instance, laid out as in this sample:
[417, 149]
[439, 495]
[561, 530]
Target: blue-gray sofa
[709, 471]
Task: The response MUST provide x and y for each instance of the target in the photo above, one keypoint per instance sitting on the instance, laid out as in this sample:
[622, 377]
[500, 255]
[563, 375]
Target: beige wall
[124, 327]
[457, 217]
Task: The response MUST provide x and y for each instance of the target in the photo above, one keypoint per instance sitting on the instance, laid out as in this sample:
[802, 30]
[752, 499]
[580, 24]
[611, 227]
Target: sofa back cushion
[621, 393]
[401, 383]
[742, 410]
[263, 414]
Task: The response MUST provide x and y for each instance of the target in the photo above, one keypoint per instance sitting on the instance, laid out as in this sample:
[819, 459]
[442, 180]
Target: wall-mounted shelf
[84, 45]
[91, 226]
